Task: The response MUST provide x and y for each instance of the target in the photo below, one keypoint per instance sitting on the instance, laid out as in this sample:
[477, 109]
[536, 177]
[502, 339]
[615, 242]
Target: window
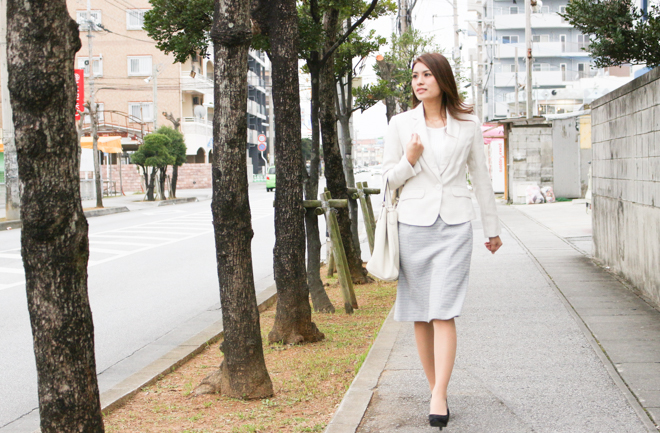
[541, 67]
[562, 67]
[513, 10]
[583, 70]
[139, 66]
[583, 41]
[562, 39]
[545, 9]
[81, 19]
[562, 9]
[540, 38]
[513, 68]
[83, 63]
[510, 39]
[141, 111]
[135, 19]
[100, 107]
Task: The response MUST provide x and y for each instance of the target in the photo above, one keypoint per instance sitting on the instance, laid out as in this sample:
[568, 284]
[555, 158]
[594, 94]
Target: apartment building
[368, 152]
[563, 74]
[139, 88]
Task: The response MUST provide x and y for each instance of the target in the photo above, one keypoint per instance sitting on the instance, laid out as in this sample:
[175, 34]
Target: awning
[2, 147]
[110, 144]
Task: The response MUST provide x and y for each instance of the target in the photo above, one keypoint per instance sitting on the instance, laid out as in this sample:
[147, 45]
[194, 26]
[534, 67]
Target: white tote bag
[384, 262]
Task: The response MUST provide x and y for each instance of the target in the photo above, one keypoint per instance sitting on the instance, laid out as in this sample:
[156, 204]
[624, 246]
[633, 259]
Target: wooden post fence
[362, 193]
[327, 206]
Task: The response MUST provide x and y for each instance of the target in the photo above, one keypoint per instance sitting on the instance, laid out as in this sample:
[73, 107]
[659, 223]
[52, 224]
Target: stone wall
[530, 159]
[626, 181]
[190, 176]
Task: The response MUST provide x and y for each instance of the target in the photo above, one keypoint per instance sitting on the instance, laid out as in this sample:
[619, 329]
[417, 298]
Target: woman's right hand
[414, 149]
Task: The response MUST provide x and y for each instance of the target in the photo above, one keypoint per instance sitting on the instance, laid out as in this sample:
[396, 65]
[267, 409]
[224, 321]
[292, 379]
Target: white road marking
[10, 256]
[12, 271]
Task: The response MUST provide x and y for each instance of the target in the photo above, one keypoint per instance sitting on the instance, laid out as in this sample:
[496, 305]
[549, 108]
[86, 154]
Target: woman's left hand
[493, 244]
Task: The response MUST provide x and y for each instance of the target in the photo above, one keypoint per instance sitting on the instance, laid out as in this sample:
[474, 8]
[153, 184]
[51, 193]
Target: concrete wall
[190, 176]
[530, 159]
[626, 181]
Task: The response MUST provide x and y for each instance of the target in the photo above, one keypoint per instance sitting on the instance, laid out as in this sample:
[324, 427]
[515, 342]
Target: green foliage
[153, 152]
[177, 146]
[181, 27]
[619, 34]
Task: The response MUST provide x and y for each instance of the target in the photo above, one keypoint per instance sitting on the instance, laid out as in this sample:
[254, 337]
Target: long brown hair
[441, 70]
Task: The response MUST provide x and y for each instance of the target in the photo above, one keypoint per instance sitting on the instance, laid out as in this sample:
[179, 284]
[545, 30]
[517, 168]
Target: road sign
[261, 147]
[261, 138]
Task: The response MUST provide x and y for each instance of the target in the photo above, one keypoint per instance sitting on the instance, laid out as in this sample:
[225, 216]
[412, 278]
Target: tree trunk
[243, 371]
[320, 298]
[163, 176]
[334, 168]
[151, 184]
[293, 319]
[344, 112]
[175, 176]
[42, 42]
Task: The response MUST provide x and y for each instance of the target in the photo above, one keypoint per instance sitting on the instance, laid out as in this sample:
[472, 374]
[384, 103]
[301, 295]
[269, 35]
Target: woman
[426, 152]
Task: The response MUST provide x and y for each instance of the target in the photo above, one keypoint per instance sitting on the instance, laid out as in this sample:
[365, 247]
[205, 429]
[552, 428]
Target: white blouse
[437, 138]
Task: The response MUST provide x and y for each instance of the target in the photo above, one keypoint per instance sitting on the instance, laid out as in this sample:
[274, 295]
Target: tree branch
[313, 9]
[343, 37]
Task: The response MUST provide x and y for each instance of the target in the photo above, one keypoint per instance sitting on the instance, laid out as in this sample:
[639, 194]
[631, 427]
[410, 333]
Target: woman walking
[426, 152]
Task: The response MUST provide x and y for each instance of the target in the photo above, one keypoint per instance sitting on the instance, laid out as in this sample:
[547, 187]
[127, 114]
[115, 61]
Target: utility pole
[12, 181]
[403, 16]
[528, 40]
[92, 110]
[474, 84]
[517, 101]
[155, 107]
[480, 69]
[457, 45]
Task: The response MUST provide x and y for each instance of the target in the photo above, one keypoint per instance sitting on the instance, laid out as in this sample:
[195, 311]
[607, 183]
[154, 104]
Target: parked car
[270, 179]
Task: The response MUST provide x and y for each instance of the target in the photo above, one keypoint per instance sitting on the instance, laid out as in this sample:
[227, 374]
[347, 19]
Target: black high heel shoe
[439, 420]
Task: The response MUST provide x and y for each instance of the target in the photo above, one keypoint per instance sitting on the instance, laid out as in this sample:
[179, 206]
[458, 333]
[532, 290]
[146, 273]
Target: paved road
[152, 283]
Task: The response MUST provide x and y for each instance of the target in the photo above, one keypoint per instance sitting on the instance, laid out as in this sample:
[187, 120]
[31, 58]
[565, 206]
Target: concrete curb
[105, 211]
[177, 201]
[349, 415]
[17, 224]
[10, 225]
[117, 396]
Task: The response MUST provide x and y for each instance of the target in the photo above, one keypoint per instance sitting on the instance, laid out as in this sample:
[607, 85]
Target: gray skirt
[434, 271]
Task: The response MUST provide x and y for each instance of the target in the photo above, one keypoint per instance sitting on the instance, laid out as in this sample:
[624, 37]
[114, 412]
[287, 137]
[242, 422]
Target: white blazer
[429, 190]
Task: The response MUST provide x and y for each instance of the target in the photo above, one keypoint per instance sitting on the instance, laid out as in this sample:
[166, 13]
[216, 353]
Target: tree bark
[344, 111]
[334, 167]
[293, 318]
[42, 42]
[320, 298]
[151, 184]
[242, 373]
[175, 176]
[163, 176]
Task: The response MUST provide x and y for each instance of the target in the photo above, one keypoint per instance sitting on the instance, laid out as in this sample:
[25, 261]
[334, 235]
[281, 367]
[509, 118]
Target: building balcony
[539, 21]
[543, 49]
[198, 84]
[553, 76]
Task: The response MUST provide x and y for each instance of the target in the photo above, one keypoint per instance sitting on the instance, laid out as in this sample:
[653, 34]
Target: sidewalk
[548, 342]
[133, 202]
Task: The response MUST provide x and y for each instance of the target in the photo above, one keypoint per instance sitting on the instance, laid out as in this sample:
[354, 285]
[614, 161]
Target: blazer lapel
[451, 142]
[428, 155]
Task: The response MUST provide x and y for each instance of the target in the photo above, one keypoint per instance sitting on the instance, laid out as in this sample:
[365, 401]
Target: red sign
[80, 86]
[261, 138]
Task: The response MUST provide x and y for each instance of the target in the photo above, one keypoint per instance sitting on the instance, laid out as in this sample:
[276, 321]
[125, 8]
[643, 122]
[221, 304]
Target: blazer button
[438, 187]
